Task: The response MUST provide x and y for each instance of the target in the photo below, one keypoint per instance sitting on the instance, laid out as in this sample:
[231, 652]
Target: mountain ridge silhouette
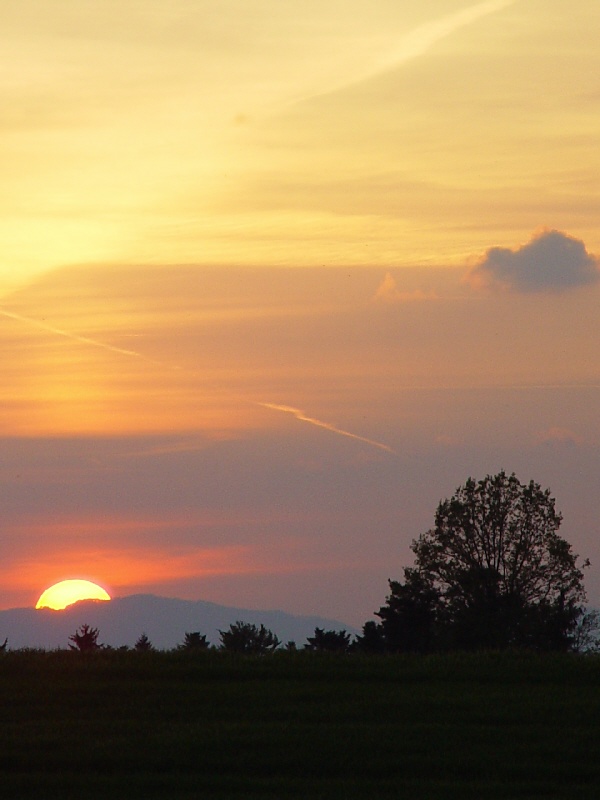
[165, 620]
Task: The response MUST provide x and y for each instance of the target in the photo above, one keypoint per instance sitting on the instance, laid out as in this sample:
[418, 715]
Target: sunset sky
[276, 277]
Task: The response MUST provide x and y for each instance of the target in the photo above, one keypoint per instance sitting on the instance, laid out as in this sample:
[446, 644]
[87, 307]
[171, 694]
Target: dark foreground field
[171, 725]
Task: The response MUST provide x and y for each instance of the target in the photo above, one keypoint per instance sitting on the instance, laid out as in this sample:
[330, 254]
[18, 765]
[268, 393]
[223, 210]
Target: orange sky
[275, 280]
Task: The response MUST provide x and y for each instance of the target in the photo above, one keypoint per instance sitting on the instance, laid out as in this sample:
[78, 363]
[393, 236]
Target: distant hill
[165, 620]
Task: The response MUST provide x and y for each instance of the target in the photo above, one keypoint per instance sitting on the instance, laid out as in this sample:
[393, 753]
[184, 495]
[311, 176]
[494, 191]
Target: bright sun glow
[66, 593]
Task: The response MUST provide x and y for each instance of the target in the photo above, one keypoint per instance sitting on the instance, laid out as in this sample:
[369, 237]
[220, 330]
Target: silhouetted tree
[194, 641]
[4, 645]
[586, 636]
[244, 637]
[372, 639]
[143, 644]
[492, 573]
[328, 641]
[85, 639]
[409, 621]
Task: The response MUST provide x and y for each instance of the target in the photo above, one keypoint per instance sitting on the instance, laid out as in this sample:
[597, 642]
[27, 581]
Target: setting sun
[65, 593]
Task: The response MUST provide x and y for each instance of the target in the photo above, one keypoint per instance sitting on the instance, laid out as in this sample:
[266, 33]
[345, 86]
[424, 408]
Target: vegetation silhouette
[372, 640]
[493, 573]
[194, 641]
[85, 639]
[244, 637]
[143, 644]
[328, 642]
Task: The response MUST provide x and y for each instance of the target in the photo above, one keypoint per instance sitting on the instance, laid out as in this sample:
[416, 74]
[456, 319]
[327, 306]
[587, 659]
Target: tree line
[493, 573]
[241, 637]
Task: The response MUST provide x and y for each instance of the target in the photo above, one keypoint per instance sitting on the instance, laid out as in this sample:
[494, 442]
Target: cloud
[550, 262]
[388, 293]
[446, 440]
[560, 435]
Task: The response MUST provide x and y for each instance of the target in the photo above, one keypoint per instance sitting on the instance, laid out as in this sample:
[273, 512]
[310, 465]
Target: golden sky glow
[276, 276]
[337, 133]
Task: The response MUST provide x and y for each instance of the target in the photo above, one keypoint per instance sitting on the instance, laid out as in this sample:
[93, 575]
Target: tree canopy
[244, 637]
[492, 573]
[194, 640]
[85, 639]
[143, 644]
[328, 641]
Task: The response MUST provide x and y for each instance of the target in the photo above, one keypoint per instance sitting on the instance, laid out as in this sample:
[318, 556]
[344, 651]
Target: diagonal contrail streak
[74, 336]
[300, 415]
[421, 39]
[424, 37]
[413, 45]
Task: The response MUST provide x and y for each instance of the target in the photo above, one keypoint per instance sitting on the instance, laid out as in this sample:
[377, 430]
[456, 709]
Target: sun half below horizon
[65, 593]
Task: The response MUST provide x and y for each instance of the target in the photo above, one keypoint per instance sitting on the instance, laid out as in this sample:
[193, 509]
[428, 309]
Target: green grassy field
[174, 725]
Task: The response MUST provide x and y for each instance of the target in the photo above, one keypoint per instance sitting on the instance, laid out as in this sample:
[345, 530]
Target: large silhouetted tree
[492, 573]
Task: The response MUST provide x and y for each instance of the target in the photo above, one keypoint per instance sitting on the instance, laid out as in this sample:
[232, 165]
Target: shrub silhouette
[372, 639]
[328, 641]
[194, 641]
[244, 637]
[85, 639]
[143, 644]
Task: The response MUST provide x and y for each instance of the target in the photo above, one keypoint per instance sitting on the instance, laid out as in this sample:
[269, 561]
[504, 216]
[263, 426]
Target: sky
[276, 278]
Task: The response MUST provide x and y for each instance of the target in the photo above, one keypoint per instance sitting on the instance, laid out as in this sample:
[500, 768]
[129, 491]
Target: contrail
[134, 354]
[414, 44]
[74, 336]
[296, 412]
[421, 39]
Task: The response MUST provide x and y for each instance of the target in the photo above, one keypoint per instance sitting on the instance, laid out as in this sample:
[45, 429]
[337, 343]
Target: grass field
[174, 725]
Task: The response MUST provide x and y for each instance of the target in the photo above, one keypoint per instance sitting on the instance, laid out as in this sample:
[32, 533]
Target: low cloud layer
[389, 294]
[550, 262]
